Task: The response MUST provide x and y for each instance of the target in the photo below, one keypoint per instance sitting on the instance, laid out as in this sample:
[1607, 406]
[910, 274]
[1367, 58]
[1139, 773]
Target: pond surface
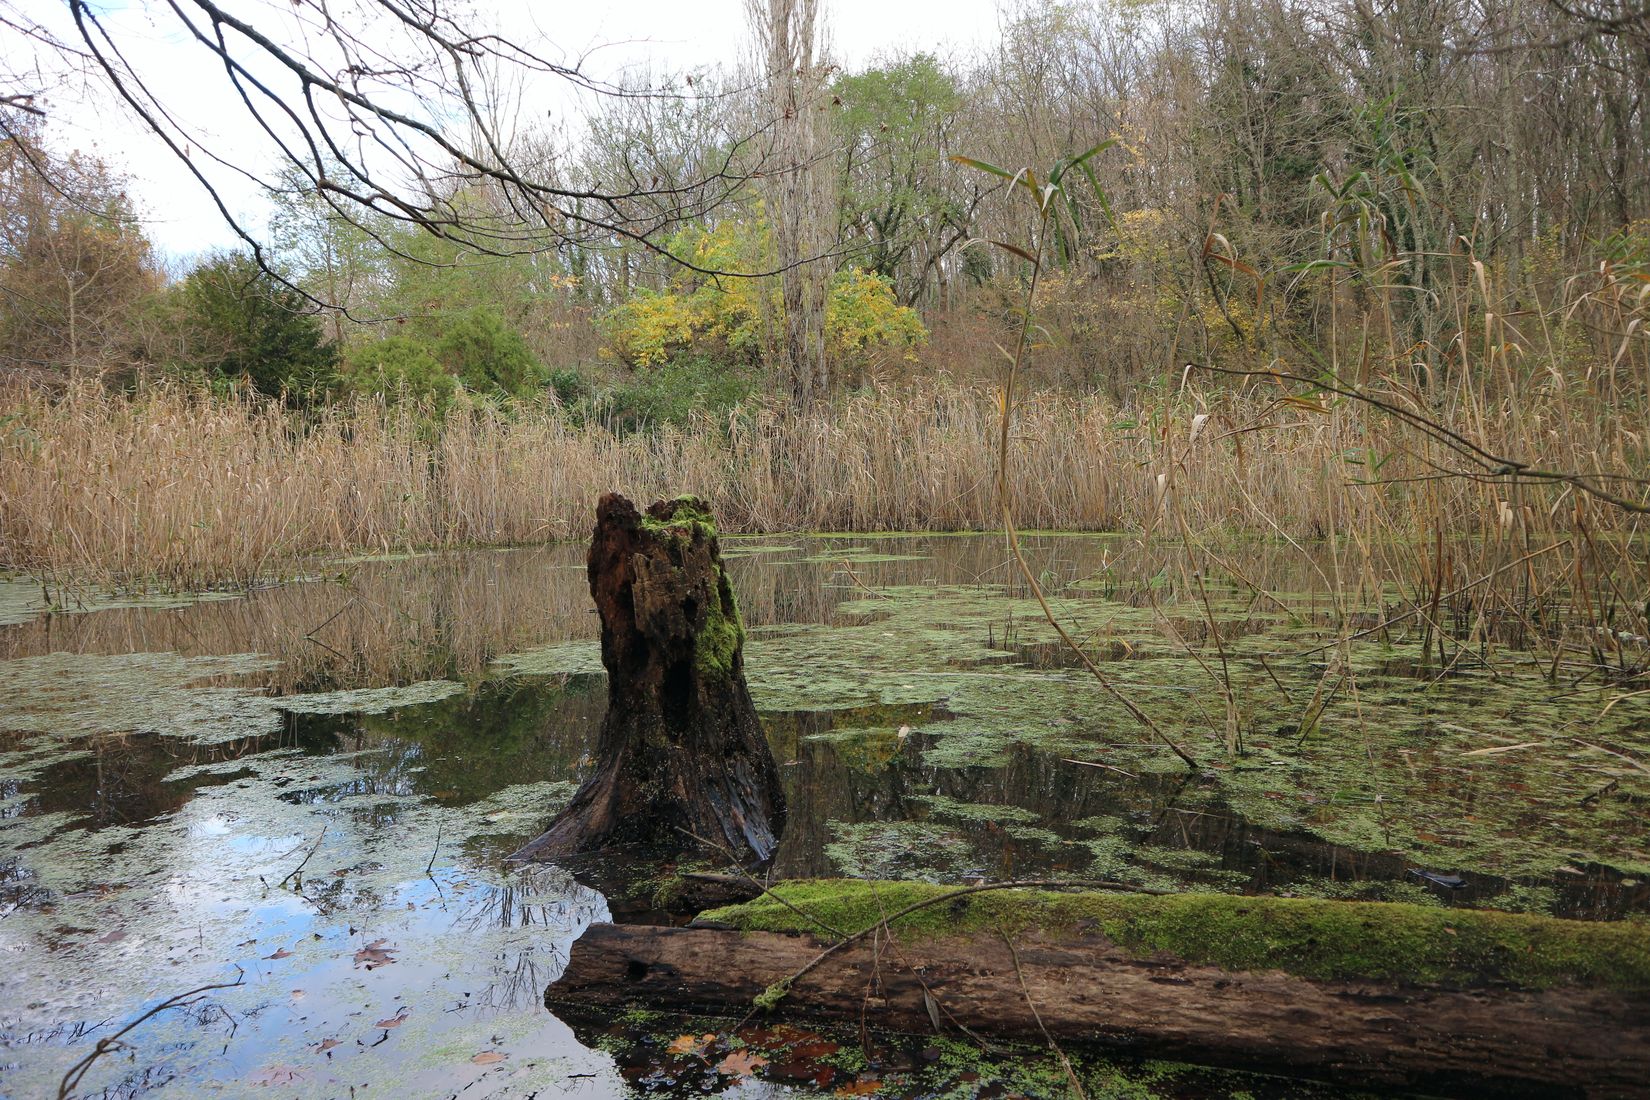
[308, 791]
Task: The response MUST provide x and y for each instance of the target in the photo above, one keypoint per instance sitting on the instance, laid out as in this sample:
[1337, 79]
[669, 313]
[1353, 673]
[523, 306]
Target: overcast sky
[611, 35]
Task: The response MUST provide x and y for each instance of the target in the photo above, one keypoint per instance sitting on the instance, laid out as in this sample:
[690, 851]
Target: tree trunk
[798, 185]
[681, 753]
[1367, 1033]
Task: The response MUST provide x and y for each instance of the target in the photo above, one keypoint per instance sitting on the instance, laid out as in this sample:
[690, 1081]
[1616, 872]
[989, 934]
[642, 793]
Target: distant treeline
[1403, 190]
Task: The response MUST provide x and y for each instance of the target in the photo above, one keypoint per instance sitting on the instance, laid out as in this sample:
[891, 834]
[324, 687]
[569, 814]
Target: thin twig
[848, 569]
[1071, 1074]
[78, 1071]
[438, 827]
[759, 884]
[1006, 501]
[307, 855]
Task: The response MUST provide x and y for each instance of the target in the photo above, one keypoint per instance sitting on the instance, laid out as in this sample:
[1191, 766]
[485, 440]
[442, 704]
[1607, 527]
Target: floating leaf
[741, 1063]
[373, 955]
[488, 1057]
[280, 953]
[328, 1044]
[688, 1044]
[113, 937]
[394, 1021]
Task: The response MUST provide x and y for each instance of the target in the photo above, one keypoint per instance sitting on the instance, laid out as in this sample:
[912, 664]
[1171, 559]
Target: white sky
[615, 34]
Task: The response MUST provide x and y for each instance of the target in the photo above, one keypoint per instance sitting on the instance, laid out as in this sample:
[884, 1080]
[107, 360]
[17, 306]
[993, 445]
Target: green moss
[720, 642]
[1308, 937]
[688, 515]
[769, 998]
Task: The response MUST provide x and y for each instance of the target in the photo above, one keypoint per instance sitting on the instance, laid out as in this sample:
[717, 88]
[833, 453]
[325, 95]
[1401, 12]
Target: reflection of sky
[143, 915]
[604, 40]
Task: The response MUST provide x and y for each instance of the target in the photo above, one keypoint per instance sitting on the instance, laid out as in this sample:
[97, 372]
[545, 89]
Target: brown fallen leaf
[374, 954]
[328, 1044]
[488, 1057]
[280, 953]
[741, 1063]
[690, 1044]
[276, 1075]
[113, 937]
[394, 1021]
[858, 1088]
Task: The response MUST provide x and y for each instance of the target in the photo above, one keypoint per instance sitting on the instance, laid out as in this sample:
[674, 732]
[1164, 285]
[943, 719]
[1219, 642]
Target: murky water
[307, 791]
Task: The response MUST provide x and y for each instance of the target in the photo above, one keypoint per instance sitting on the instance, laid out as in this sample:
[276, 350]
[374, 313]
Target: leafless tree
[799, 183]
[395, 111]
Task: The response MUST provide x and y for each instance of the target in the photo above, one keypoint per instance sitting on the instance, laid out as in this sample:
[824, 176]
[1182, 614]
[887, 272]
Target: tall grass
[180, 488]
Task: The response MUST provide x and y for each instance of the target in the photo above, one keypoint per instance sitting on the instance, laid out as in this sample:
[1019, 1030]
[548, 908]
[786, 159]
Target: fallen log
[1378, 995]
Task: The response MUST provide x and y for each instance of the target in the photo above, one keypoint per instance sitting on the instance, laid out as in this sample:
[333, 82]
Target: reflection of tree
[449, 615]
[123, 779]
[462, 749]
[545, 899]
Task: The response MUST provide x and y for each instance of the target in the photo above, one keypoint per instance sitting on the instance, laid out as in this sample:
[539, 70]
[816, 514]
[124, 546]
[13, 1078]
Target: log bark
[1556, 1042]
[681, 750]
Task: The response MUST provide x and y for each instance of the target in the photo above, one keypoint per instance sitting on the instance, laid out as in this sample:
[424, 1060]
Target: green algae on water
[69, 695]
[572, 658]
[371, 700]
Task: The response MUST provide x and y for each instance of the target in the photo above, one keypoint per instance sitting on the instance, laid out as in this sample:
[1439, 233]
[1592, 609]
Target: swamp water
[308, 791]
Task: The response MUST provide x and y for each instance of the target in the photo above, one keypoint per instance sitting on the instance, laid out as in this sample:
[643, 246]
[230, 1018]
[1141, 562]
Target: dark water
[198, 817]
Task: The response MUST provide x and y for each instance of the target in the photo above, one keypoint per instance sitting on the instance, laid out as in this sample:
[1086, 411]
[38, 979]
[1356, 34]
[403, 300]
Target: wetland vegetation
[1309, 344]
[304, 778]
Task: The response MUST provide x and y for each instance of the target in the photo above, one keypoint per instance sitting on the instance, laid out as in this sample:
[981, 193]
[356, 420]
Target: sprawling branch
[397, 112]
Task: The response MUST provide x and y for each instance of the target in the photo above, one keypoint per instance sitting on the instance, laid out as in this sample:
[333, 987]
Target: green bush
[488, 356]
[401, 368]
[671, 393]
[237, 322]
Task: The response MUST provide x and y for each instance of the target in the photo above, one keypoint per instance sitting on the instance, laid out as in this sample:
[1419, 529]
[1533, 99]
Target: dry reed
[183, 489]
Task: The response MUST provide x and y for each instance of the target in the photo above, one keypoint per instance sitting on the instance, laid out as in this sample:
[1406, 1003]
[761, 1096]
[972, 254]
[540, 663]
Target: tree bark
[681, 752]
[1366, 1033]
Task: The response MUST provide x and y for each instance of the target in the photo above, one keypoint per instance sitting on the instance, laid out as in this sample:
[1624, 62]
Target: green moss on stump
[723, 636]
[1309, 937]
[688, 515]
[688, 519]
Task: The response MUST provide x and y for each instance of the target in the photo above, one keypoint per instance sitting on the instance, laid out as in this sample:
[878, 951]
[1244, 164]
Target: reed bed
[183, 489]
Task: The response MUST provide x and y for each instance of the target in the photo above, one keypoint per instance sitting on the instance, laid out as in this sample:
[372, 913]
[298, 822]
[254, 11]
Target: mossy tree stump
[681, 752]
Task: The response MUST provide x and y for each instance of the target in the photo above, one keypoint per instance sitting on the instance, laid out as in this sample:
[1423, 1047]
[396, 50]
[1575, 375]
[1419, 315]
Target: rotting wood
[1485, 1040]
[681, 751]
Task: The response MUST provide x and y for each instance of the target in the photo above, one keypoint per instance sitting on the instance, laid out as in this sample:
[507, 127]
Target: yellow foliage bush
[730, 315]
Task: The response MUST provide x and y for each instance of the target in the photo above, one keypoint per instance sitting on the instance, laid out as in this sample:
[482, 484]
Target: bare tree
[73, 263]
[391, 111]
[799, 183]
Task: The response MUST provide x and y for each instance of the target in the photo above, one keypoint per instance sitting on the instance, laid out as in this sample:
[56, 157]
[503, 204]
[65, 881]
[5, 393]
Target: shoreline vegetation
[173, 487]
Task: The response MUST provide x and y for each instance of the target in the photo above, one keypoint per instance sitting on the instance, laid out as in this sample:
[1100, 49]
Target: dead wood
[1555, 1042]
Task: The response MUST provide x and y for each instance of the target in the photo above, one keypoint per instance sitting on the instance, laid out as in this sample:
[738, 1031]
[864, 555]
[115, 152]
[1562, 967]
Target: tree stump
[681, 750]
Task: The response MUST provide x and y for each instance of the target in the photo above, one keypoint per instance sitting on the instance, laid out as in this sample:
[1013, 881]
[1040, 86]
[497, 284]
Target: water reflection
[143, 859]
[448, 615]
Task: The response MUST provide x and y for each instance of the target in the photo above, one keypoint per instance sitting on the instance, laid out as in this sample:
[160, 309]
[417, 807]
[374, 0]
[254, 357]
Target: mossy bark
[681, 753]
[1369, 994]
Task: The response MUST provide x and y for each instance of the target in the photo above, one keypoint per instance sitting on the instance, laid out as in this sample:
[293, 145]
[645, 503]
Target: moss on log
[1309, 937]
[1452, 1002]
